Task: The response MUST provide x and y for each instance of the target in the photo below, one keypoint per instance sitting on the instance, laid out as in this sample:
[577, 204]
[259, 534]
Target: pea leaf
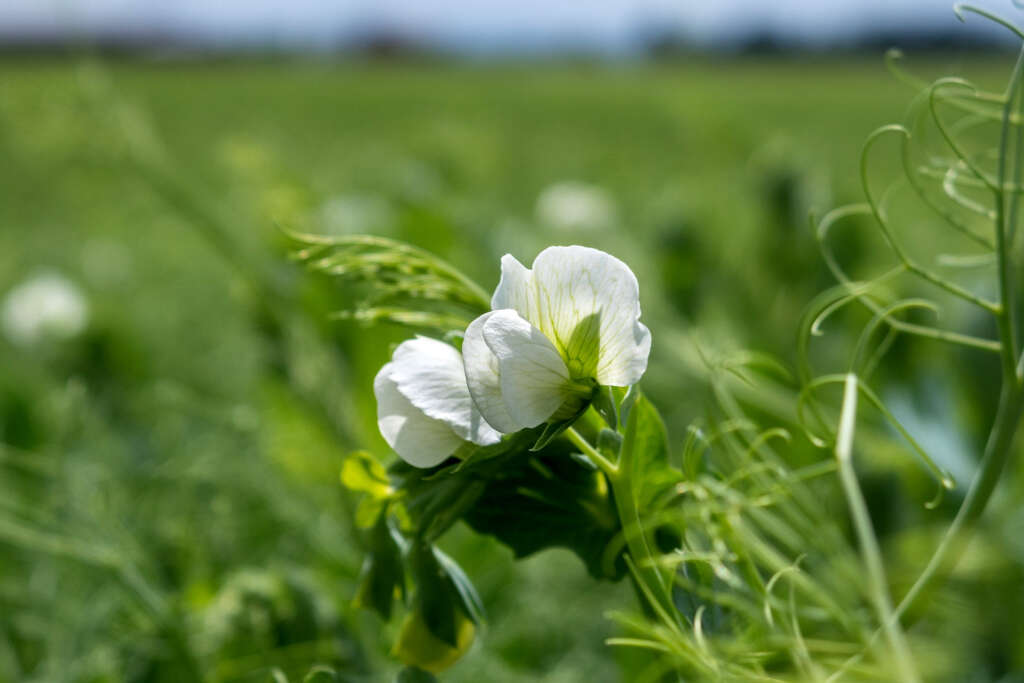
[471, 602]
[644, 454]
[362, 473]
[645, 451]
[436, 595]
[554, 429]
[626, 402]
[555, 501]
[383, 572]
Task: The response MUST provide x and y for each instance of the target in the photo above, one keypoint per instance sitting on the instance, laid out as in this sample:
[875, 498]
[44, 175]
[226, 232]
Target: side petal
[589, 306]
[419, 440]
[515, 289]
[430, 374]
[623, 359]
[483, 376]
[534, 380]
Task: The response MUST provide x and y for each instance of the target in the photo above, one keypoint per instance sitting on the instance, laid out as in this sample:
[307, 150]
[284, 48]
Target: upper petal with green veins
[587, 303]
[570, 322]
[515, 374]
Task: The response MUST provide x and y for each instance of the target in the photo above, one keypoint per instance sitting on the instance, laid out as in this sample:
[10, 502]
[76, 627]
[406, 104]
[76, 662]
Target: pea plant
[521, 414]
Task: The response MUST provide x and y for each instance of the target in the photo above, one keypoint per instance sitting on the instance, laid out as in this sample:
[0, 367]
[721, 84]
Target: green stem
[1004, 229]
[866, 535]
[997, 453]
[640, 546]
[610, 469]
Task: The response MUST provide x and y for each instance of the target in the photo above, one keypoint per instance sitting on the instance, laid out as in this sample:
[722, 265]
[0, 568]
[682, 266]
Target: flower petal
[484, 377]
[419, 440]
[534, 380]
[430, 374]
[515, 289]
[588, 304]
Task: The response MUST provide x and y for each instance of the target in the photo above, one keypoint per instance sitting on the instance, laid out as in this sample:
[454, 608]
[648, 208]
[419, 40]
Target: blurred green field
[169, 499]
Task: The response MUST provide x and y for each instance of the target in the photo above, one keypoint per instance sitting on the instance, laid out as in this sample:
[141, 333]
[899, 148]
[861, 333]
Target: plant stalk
[997, 453]
[870, 550]
[640, 546]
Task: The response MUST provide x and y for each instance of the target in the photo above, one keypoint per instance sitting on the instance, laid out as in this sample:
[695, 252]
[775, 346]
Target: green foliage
[645, 451]
[383, 574]
[558, 502]
[554, 428]
[170, 507]
[399, 282]
[361, 473]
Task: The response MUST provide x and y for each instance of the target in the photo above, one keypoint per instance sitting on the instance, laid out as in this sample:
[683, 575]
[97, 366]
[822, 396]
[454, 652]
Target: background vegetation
[169, 498]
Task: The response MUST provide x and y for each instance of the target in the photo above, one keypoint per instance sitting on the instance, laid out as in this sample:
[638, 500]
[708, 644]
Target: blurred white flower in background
[45, 306]
[355, 213]
[572, 205]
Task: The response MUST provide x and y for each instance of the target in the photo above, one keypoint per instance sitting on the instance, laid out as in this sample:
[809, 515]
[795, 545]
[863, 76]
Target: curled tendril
[960, 9]
[819, 310]
[938, 172]
[942, 476]
[947, 215]
[880, 318]
[890, 238]
[794, 567]
[933, 101]
[822, 228]
[727, 428]
[966, 261]
[936, 501]
[694, 447]
[950, 180]
[821, 232]
[821, 307]
[805, 398]
[1007, 228]
[893, 57]
[764, 437]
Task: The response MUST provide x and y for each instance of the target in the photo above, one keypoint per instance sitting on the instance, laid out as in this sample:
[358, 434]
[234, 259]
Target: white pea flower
[354, 213]
[570, 322]
[46, 306]
[424, 408]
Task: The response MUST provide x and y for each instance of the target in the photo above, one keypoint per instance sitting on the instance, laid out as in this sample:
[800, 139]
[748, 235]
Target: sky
[482, 26]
